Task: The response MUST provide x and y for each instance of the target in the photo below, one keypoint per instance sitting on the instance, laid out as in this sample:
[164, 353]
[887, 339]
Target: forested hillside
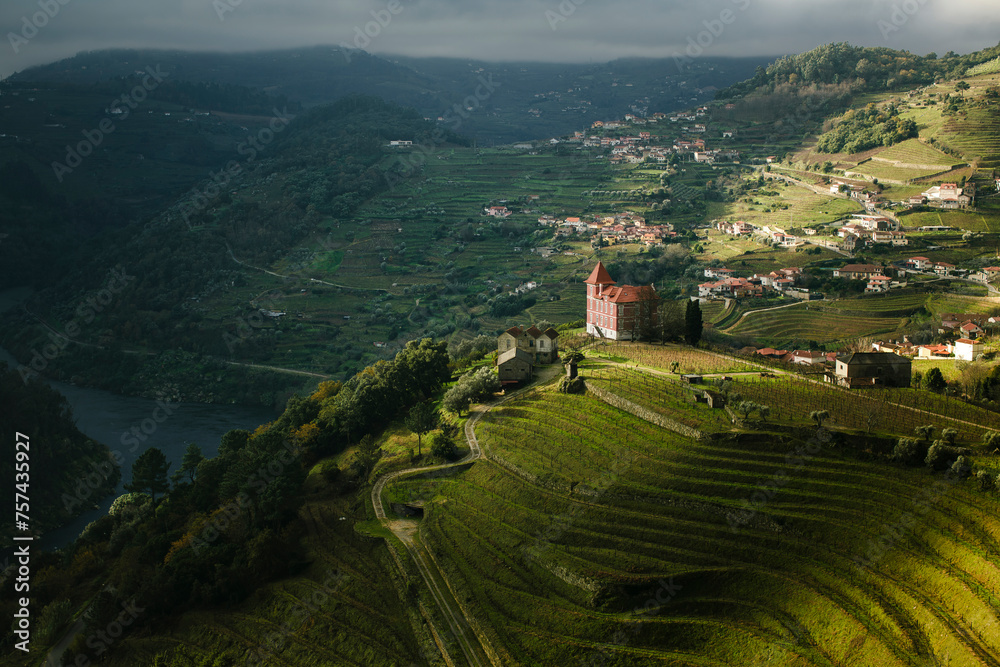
[321, 166]
[223, 533]
[67, 472]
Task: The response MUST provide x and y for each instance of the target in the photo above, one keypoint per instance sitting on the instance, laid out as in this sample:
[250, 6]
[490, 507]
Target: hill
[684, 536]
[529, 101]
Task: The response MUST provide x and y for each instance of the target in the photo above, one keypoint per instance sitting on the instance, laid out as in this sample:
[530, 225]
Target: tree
[934, 380]
[940, 455]
[443, 445]
[746, 408]
[189, 463]
[149, 473]
[962, 86]
[670, 320]
[985, 481]
[961, 467]
[478, 385]
[991, 440]
[366, 457]
[819, 416]
[457, 399]
[692, 323]
[910, 451]
[421, 419]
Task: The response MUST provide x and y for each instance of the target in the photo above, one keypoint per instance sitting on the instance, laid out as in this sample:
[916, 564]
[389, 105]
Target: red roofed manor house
[617, 312]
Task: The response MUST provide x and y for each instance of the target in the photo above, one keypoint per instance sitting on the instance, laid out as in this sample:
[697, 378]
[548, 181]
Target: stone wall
[645, 413]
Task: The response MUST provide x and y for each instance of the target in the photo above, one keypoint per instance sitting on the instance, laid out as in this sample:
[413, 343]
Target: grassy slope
[779, 588]
[345, 608]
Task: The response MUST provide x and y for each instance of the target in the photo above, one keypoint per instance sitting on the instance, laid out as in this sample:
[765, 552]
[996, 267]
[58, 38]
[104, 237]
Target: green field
[989, 67]
[916, 152]
[793, 206]
[887, 172]
[806, 322]
[622, 543]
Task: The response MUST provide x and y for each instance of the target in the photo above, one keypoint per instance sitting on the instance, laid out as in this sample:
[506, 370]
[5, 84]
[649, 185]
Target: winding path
[471, 643]
[312, 280]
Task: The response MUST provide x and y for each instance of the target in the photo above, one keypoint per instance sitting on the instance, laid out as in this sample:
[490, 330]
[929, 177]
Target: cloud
[547, 30]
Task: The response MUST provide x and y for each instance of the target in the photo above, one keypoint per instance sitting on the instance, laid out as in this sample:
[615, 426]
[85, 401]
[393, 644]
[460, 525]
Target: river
[130, 426]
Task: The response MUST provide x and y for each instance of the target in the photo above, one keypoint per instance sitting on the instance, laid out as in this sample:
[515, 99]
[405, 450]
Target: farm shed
[873, 369]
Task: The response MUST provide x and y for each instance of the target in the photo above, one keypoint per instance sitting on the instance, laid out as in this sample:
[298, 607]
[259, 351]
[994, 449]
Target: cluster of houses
[611, 229]
[969, 327]
[865, 230]
[849, 369]
[944, 269]
[728, 286]
[768, 233]
[960, 349]
[946, 196]
[642, 146]
[877, 276]
[520, 350]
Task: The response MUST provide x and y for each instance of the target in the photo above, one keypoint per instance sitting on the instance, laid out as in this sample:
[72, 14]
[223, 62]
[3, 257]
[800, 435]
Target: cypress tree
[692, 323]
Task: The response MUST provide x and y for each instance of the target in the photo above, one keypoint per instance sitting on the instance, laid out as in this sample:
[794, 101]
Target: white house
[966, 349]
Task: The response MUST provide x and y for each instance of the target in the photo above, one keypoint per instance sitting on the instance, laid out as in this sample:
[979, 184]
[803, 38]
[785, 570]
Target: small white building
[967, 349]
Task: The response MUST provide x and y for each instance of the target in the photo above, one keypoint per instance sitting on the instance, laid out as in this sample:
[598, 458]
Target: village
[616, 313]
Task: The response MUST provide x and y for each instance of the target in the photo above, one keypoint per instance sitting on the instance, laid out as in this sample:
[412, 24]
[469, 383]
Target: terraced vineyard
[975, 134]
[893, 304]
[916, 152]
[689, 360]
[888, 172]
[887, 411]
[621, 543]
[803, 322]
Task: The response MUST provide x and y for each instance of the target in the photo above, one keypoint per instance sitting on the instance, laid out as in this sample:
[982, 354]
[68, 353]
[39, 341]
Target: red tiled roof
[599, 276]
[534, 331]
[629, 293]
[514, 331]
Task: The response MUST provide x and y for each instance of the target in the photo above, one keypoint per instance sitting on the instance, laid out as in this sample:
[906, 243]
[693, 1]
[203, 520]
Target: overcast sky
[549, 30]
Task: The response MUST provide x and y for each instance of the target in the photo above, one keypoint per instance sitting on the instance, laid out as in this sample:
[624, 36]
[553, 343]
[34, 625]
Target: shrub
[985, 481]
[940, 455]
[961, 467]
[443, 446]
[910, 451]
